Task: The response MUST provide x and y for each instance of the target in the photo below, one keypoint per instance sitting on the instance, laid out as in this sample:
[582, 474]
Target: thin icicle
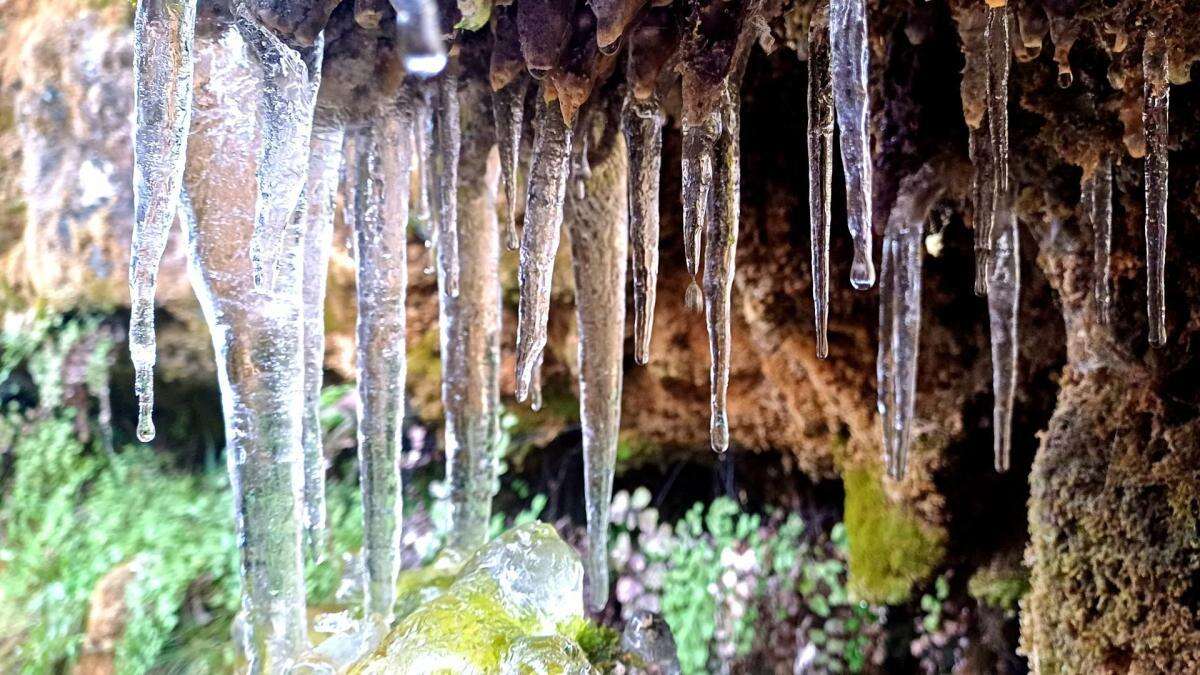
[983, 190]
[850, 62]
[999, 58]
[700, 133]
[549, 169]
[1097, 199]
[286, 113]
[642, 122]
[470, 335]
[420, 37]
[720, 253]
[447, 138]
[381, 214]
[820, 169]
[1155, 116]
[1004, 291]
[163, 32]
[423, 154]
[900, 315]
[324, 164]
[598, 230]
[508, 106]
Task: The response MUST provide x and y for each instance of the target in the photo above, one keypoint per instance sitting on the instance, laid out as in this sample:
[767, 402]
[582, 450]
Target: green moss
[415, 587]
[632, 449]
[601, 643]
[425, 375]
[999, 586]
[890, 548]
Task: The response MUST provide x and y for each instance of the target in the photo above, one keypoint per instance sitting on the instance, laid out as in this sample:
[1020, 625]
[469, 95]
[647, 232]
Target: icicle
[163, 32]
[598, 250]
[324, 163]
[509, 87]
[1097, 200]
[900, 315]
[470, 335]
[581, 170]
[850, 62]
[983, 190]
[720, 254]
[642, 122]
[1031, 27]
[508, 105]
[381, 212]
[1004, 290]
[1155, 116]
[423, 153]
[258, 337]
[999, 57]
[419, 37]
[447, 137]
[820, 169]
[286, 114]
[700, 132]
[548, 171]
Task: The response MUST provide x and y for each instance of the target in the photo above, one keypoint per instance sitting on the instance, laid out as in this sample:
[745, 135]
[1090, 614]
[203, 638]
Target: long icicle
[1155, 115]
[900, 315]
[324, 164]
[163, 34]
[549, 168]
[1097, 199]
[470, 333]
[719, 259]
[999, 58]
[642, 122]
[1004, 291]
[701, 128]
[447, 137]
[257, 337]
[381, 216]
[850, 63]
[598, 249]
[286, 113]
[508, 106]
[820, 168]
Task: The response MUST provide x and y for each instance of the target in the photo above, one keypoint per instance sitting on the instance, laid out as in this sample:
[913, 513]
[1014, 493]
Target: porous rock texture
[1107, 430]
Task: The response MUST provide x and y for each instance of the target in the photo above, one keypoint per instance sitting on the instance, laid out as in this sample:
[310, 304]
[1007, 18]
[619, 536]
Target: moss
[890, 548]
[415, 587]
[999, 585]
[425, 375]
[632, 448]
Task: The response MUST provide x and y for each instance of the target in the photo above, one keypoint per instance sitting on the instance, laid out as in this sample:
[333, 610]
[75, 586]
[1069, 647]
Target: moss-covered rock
[890, 548]
[514, 606]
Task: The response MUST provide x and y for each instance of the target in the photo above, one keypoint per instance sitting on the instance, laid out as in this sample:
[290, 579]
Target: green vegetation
[890, 550]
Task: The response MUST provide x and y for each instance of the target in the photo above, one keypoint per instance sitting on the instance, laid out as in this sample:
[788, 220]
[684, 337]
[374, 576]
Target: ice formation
[1097, 200]
[548, 171]
[599, 244]
[163, 34]
[1004, 291]
[263, 168]
[317, 214]
[642, 122]
[900, 315]
[381, 216]
[290, 80]
[820, 169]
[850, 60]
[1155, 65]
[470, 333]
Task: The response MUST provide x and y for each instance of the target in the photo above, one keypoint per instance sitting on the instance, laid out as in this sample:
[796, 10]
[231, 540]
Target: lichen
[890, 549]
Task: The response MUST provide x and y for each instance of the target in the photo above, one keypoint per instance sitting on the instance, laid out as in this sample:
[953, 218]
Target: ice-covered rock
[648, 638]
[545, 655]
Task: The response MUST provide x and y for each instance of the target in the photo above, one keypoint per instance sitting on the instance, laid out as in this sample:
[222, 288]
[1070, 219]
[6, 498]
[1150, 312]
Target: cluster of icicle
[263, 293]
